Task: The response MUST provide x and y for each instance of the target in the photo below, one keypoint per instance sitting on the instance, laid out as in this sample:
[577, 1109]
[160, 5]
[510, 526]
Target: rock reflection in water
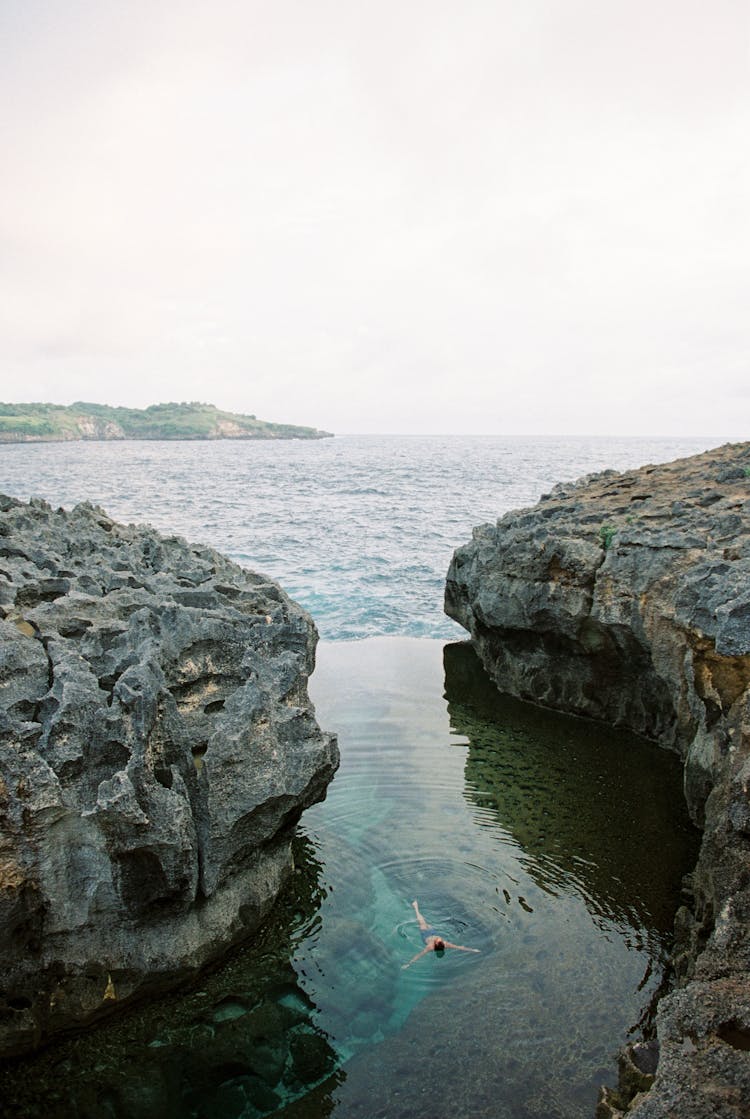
[243, 1044]
[593, 809]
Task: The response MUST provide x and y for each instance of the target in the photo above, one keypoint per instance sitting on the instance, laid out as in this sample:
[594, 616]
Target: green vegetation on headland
[42, 423]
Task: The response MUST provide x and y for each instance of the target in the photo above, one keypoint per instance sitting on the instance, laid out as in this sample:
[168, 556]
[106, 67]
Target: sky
[507, 216]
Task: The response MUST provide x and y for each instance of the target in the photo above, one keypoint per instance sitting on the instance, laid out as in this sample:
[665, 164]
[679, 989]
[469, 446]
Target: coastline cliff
[626, 598]
[157, 747]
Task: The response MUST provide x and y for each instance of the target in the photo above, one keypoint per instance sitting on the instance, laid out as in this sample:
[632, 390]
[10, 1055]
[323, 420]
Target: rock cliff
[626, 598]
[157, 747]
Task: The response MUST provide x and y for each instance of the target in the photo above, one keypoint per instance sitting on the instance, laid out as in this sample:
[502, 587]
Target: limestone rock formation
[157, 747]
[626, 598]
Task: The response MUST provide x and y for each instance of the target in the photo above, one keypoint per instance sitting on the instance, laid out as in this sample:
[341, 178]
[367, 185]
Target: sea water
[553, 846]
[359, 529]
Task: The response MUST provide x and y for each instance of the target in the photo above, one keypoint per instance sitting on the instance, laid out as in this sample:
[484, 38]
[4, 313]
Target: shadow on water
[243, 1043]
[594, 810]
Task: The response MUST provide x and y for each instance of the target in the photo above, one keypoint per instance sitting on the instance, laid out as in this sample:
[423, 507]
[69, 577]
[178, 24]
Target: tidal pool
[554, 846]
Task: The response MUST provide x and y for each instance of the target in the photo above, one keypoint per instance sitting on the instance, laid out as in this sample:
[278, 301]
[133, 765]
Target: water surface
[554, 846]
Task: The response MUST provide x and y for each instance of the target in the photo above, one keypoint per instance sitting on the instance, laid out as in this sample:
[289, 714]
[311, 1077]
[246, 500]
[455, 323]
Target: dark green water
[555, 847]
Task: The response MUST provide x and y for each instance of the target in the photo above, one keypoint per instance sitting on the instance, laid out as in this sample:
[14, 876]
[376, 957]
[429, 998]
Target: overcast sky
[511, 216]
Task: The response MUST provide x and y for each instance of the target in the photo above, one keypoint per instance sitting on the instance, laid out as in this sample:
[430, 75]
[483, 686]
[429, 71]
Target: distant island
[54, 423]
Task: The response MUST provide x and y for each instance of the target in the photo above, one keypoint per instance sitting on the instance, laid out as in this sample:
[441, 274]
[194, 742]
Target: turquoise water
[553, 846]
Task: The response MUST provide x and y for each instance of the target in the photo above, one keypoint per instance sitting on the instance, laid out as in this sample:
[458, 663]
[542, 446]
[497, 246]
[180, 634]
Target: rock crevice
[157, 747]
[626, 598]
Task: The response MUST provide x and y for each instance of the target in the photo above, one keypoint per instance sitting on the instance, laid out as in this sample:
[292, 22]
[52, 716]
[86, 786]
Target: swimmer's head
[439, 944]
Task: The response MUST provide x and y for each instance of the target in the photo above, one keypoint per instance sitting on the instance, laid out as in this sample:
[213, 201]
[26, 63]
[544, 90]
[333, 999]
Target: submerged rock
[157, 747]
[626, 598]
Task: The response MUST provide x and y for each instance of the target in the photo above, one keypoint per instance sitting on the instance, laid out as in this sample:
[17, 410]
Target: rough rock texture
[626, 598]
[157, 747]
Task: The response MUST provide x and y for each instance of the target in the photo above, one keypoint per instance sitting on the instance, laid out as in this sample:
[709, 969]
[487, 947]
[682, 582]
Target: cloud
[394, 216]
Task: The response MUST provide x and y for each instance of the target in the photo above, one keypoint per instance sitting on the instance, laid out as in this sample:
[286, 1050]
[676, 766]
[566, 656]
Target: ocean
[358, 529]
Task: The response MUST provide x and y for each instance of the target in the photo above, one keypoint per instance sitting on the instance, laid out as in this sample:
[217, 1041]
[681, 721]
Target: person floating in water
[432, 939]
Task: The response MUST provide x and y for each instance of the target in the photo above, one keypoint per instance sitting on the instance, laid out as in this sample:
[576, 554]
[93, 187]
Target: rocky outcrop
[157, 747]
[626, 598]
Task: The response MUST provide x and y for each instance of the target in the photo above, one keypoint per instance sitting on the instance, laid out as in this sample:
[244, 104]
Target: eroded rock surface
[626, 598]
[157, 747]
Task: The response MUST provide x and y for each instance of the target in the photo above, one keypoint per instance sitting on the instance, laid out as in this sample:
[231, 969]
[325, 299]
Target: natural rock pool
[555, 846]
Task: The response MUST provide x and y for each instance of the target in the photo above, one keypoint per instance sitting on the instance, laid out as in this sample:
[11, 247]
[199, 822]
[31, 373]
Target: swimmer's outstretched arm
[414, 959]
[460, 947]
